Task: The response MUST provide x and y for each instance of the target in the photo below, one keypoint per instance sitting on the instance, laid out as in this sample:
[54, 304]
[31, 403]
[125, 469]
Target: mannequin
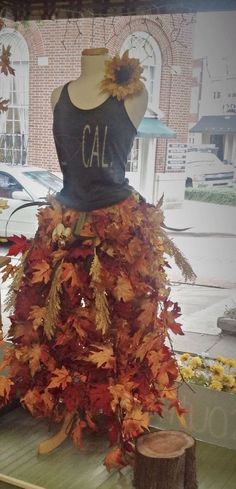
[85, 91]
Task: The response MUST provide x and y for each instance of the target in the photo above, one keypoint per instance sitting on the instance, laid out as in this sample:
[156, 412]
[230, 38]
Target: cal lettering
[86, 128]
[95, 148]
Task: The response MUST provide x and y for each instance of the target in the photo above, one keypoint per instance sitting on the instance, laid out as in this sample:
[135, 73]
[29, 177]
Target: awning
[216, 124]
[151, 127]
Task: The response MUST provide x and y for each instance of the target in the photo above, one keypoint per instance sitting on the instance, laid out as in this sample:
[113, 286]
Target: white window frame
[14, 122]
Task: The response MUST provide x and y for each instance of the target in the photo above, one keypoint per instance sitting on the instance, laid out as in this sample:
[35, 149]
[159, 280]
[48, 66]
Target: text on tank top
[92, 147]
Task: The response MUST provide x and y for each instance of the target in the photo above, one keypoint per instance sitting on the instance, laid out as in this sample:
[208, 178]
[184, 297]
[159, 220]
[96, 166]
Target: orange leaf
[91, 423]
[34, 358]
[77, 432]
[42, 272]
[32, 400]
[5, 387]
[124, 289]
[114, 459]
[37, 315]
[150, 342]
[104, 357]
[149, 309]
[69, 272]
[154, 358]
[61, 378]
[135, 422]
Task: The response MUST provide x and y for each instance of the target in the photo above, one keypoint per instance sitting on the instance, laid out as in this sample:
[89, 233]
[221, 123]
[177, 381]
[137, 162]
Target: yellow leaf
[124, 289]
[37, 315]
[104, 357]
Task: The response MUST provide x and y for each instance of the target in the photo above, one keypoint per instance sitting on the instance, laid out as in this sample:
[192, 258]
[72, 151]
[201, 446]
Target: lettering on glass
[94, 154]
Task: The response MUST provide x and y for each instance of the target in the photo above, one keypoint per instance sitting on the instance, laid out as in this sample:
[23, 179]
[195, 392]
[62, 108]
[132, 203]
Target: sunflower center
[123, 74]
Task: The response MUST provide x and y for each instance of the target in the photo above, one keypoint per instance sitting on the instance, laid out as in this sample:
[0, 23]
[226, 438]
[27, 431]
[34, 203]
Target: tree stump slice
[165, 460]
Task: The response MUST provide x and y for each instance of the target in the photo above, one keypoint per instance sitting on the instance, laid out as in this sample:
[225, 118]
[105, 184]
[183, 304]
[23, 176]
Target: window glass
[46, 179]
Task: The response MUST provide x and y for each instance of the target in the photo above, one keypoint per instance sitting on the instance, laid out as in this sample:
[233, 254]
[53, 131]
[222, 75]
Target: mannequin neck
[93, 62]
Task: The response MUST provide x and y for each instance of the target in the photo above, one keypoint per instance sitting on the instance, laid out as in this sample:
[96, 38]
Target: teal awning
[150, 127]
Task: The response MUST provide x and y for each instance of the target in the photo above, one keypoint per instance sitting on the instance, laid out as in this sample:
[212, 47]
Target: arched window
[14, 122]
[143, 46]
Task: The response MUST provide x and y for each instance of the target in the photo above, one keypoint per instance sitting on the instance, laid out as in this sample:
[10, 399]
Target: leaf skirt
[90, 316]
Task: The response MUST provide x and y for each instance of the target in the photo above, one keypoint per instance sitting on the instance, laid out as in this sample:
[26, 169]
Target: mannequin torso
[85, 92]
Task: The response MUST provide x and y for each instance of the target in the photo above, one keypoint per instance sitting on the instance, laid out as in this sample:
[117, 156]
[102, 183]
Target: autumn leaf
[32, 400]
[77, 432]
[150, 342]
[122, 396]
[61, 378]
[42, 272]
[90, 422]
[34, 358]
[37, 315]
[69, 273]
[5, 387]
[5, 61]
[147, 315]
[104, 357]
[21, 244]
[4, 104]
[114, 459]
[135, 422]
[124, 289]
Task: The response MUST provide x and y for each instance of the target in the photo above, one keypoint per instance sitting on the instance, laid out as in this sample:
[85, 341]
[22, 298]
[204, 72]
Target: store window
[143, 46]
[14, 122]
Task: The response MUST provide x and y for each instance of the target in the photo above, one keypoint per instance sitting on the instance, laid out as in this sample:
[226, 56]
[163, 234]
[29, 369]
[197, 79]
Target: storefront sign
[176, 157]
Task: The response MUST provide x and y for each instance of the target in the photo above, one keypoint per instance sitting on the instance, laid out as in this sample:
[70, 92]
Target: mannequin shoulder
[136, 106]
[55, 95]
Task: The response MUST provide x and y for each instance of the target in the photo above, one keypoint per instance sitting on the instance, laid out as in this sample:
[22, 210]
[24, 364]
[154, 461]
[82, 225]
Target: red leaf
[100, 398]
[21, 245]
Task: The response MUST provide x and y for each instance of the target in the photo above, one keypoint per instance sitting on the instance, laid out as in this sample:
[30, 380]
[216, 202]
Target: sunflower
[122, 76]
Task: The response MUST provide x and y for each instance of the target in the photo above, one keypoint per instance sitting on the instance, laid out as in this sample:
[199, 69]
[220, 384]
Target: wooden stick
[18, 483]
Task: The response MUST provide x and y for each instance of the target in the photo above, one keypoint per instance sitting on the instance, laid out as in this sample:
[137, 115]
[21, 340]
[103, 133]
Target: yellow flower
[122, 76]
[184, 357]
[187, 372]
[221, 359]
[228, 380]
[215, 385]
[230, 362]
[217, 370]
[196, 362]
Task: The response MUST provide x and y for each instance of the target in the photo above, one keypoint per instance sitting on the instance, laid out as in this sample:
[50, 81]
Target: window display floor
[70, 468]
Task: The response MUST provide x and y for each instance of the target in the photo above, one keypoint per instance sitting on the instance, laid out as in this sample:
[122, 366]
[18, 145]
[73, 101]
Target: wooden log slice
[165, 460]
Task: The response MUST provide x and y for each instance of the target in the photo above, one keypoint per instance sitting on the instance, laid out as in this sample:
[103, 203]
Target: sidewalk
[204, 219]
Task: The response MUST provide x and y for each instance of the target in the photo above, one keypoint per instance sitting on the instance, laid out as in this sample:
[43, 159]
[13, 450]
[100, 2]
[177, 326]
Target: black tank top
[92, 147]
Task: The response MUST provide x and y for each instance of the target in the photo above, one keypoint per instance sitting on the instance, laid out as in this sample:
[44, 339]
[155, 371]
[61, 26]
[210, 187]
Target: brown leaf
[4, 104]
[42, 272]
[5, 61]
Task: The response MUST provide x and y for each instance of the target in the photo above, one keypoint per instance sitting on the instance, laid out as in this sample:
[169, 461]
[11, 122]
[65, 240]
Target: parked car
[205, 169]
[19, 185]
